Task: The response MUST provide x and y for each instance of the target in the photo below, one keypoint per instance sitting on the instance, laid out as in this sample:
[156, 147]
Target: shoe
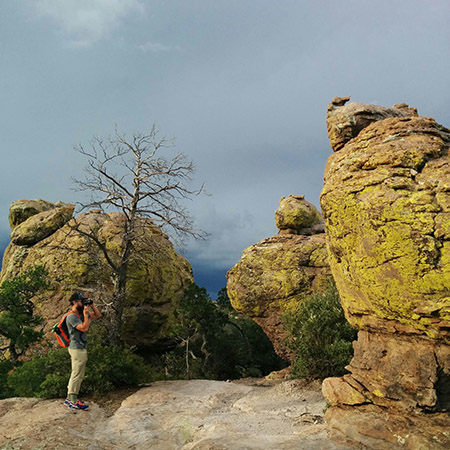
[81, 405]
[71, 405]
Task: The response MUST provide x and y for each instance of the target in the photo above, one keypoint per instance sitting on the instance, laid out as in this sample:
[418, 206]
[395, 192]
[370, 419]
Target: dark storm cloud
[243, 86]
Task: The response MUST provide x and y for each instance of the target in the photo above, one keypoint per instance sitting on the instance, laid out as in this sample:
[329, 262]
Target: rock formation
[275, 274]
[42, 235]
[386, 205]
[344, 122]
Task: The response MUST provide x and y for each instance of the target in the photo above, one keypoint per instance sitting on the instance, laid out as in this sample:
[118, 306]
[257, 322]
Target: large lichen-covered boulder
[277, 273]
[158, 275]
[386, 205]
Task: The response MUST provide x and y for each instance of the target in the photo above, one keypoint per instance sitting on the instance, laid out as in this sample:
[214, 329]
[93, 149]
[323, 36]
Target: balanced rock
[158, 275]
[41, 225]
[386, 205]
[276, 274]
[297, 216]
[21, 210]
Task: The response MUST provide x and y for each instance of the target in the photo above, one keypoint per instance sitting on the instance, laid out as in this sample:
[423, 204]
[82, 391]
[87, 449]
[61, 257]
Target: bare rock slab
[254, 414]
[201, 414]
[371, 427]
[31, 423]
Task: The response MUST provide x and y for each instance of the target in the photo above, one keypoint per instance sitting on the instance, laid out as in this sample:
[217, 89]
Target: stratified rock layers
[386, 205]
[158, 276]
[277, 273]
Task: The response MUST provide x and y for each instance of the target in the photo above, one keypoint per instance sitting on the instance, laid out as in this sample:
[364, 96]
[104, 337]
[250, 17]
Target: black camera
[87, 301]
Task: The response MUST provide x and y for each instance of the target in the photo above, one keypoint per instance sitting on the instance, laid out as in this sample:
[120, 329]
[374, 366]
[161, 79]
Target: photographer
[78, 326]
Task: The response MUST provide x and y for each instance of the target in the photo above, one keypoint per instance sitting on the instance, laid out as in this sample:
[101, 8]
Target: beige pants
[79, 359]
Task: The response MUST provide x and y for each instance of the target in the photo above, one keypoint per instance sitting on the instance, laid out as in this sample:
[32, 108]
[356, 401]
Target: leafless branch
[138, 178]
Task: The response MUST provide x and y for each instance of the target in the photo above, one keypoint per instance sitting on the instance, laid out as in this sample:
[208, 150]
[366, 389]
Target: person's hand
[86, 312]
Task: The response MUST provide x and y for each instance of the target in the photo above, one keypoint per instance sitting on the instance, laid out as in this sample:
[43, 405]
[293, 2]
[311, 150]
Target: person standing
[84, 311]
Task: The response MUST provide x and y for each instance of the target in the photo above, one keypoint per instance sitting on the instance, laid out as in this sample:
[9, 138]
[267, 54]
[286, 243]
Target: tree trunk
[13, 356]
[119, 297]
[120, 286]
[188, 374]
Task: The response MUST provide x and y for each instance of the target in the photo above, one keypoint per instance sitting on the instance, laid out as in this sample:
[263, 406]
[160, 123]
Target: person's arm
[97, 313]
[84, 326]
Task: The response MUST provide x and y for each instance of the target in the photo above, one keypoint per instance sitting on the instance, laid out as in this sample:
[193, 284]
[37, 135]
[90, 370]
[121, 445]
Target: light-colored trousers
[79, 359]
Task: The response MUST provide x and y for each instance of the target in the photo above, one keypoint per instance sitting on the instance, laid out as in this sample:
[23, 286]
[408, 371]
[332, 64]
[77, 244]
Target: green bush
[108, 368]
[43, 376]
[5, 367]
[17, 320]
[320, 336]
[113, 367]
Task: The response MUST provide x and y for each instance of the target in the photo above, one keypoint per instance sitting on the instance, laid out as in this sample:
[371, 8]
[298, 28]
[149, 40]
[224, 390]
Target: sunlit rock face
[386, 205]
[277, 273]
[158, 276]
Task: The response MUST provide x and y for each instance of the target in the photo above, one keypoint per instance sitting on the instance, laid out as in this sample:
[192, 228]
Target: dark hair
[76, 296]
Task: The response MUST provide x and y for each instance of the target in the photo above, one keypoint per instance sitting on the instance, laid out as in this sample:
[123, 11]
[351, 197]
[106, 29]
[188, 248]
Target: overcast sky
[243, 85]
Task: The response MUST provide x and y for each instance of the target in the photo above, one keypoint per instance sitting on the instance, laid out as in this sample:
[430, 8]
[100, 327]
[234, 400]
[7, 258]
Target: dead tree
[132, 176]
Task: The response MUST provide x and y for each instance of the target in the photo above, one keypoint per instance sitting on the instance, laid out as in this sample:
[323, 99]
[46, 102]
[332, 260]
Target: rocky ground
[188, 415]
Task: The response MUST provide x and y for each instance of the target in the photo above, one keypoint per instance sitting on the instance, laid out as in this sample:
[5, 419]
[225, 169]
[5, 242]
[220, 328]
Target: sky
[243, 86]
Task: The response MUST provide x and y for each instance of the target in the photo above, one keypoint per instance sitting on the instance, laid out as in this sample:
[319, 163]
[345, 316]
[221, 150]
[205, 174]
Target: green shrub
[5, 367]
[108, 368]
[210, 341]
[17, 320]
[44, 376]
[320, 336]
[113, 367]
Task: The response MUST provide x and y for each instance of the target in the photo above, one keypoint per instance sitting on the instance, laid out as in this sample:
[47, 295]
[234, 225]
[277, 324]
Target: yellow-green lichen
[386, 228]
[276, 274]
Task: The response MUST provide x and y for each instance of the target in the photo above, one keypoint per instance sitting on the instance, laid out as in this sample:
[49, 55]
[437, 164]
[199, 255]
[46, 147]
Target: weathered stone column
[386, 205]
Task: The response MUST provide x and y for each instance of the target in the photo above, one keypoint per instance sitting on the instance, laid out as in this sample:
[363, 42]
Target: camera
[87, 301]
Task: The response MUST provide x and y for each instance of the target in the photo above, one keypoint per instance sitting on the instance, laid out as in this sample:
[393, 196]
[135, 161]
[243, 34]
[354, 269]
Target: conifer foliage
[17, 321]
[320, 336]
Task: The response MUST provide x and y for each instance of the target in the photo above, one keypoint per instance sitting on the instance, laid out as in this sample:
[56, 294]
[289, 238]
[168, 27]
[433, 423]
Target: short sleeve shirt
[78, 339]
